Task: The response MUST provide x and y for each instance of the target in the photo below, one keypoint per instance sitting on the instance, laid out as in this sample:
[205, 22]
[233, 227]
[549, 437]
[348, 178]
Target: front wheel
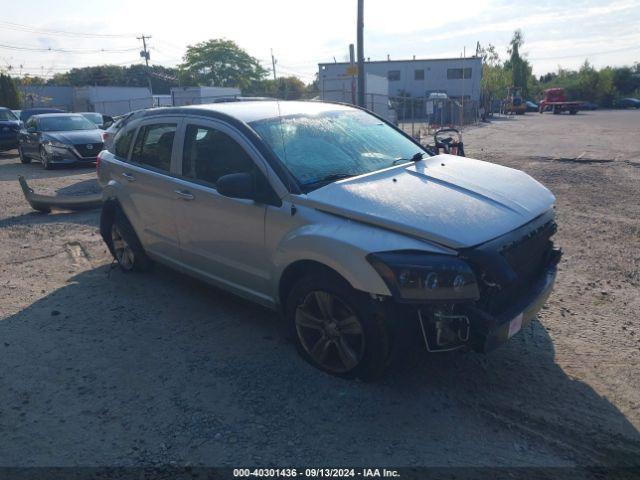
[23, 157]
[44, 158]
[336, 328]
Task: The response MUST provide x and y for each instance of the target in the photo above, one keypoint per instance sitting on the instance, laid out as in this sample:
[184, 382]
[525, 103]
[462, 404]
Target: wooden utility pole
[273, 63]
[146, 55]
[360, 35]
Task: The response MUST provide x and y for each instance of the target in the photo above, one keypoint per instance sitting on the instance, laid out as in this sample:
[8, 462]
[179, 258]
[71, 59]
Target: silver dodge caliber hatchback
[361, 238]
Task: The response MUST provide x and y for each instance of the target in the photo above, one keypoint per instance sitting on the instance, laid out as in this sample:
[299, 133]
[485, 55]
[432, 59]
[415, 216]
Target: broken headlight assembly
[415, 276]
[55, 145]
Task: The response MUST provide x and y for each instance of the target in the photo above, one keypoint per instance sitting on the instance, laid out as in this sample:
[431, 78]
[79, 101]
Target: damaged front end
[480, 298]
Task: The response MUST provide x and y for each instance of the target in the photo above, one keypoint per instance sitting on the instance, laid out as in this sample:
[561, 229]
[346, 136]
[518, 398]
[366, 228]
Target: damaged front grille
[509, 266]
[528, 255]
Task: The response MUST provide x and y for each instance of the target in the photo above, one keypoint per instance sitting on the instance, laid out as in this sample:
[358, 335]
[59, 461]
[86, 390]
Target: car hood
[75, 137]
[454, 201]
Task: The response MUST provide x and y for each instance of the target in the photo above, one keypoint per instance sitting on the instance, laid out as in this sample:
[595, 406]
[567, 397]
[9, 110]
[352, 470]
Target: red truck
[555, 101]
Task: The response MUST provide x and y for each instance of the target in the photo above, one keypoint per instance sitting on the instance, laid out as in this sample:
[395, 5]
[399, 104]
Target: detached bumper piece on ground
[46, 203]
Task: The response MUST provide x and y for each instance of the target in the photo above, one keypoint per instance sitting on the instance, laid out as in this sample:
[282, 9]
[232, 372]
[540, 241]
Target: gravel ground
[101, 368]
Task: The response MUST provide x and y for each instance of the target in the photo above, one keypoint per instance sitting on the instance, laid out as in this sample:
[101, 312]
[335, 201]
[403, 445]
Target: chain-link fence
[420, 116]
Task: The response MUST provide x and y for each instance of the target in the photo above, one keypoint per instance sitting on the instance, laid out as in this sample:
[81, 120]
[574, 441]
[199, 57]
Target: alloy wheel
[44, 158]
[330, 332]
[123, 252]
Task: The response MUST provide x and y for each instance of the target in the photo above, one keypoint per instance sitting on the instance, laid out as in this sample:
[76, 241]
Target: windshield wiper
[416, 158]
[328, 179]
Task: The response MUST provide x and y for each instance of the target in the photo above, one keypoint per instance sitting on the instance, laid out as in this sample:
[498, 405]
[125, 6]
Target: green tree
[519, 66]
[626, 80]
[495, 78]
[137, 75]
[221, 63]
[9, 96]
[287, 88]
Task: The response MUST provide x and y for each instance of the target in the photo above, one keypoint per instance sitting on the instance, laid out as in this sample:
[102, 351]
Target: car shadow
[159, 369]
[84, 187]
[86, 217]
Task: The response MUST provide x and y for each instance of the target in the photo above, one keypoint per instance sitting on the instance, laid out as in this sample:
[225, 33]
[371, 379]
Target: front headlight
[55, 144]
[421, 276]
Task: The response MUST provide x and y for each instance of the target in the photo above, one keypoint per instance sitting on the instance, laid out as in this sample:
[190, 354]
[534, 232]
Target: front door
[30, 146]
[221, 238]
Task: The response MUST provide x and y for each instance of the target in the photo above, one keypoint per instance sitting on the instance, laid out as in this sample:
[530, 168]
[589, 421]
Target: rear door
[221, 238]
[148, 193]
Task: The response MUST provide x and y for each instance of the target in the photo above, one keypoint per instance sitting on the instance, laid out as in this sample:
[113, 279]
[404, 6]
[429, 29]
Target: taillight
[104, 136]
[98, 161]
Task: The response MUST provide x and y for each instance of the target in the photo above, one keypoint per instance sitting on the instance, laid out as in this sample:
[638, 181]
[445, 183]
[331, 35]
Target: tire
[572, 112]
[23, 157]
[336, 328]
[44, 158]
[125, 245]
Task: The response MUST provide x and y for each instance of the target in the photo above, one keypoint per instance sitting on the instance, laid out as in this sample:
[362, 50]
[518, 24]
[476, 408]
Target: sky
[304, 33]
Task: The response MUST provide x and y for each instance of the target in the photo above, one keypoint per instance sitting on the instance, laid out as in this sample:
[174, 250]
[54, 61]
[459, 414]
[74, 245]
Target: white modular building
[343, 88]
[111, 100]
[198, 95]
[457, 77]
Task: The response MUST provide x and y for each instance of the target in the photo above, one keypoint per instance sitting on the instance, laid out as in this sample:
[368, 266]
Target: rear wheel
[335, 327]
[23, 157]
[126, 247]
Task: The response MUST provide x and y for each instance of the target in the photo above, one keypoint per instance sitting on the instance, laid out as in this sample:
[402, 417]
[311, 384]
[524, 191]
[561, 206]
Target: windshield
[65, 123]
[94, 117]
[6, 115]
[334, 144]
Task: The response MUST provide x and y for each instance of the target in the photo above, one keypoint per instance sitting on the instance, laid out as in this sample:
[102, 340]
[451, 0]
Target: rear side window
[153, 146]
[123, 142]
[209, 154]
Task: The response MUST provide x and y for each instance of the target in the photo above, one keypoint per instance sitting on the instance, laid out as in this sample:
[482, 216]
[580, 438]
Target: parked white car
[338, 220]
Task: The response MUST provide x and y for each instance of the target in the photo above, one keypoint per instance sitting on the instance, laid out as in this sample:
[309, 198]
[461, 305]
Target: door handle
[128, 176]
[185, 194]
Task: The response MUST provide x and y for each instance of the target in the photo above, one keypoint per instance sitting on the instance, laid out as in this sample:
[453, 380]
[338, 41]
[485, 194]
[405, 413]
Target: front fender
[343, 245]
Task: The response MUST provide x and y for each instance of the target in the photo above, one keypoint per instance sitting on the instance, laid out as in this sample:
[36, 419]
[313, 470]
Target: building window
[419, 75]
[393, 75]
[458, 73]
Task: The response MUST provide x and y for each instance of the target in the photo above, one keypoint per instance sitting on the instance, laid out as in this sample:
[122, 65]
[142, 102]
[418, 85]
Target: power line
[593, 54]
[62, 50]
[46, 31]
[67, 68]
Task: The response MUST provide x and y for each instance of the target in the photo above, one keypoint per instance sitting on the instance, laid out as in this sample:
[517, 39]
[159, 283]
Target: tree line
[221, 62]
[217, 62]
[587, 83]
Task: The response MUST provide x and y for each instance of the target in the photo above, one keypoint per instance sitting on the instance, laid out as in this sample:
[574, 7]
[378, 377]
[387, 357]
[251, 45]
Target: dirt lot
[101, 368]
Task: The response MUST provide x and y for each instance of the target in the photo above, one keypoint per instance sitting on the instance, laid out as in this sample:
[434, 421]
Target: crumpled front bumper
[489, 332]
[470, 327]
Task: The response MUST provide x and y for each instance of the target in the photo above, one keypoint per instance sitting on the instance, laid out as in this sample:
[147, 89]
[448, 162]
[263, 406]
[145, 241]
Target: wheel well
[297, 270]
[107, 216]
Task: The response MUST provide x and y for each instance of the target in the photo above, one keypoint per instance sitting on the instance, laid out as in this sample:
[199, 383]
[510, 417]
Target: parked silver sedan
[335, 218]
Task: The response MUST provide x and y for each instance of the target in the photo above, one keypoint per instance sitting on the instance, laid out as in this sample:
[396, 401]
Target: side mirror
[237, 185]
[107, 124]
